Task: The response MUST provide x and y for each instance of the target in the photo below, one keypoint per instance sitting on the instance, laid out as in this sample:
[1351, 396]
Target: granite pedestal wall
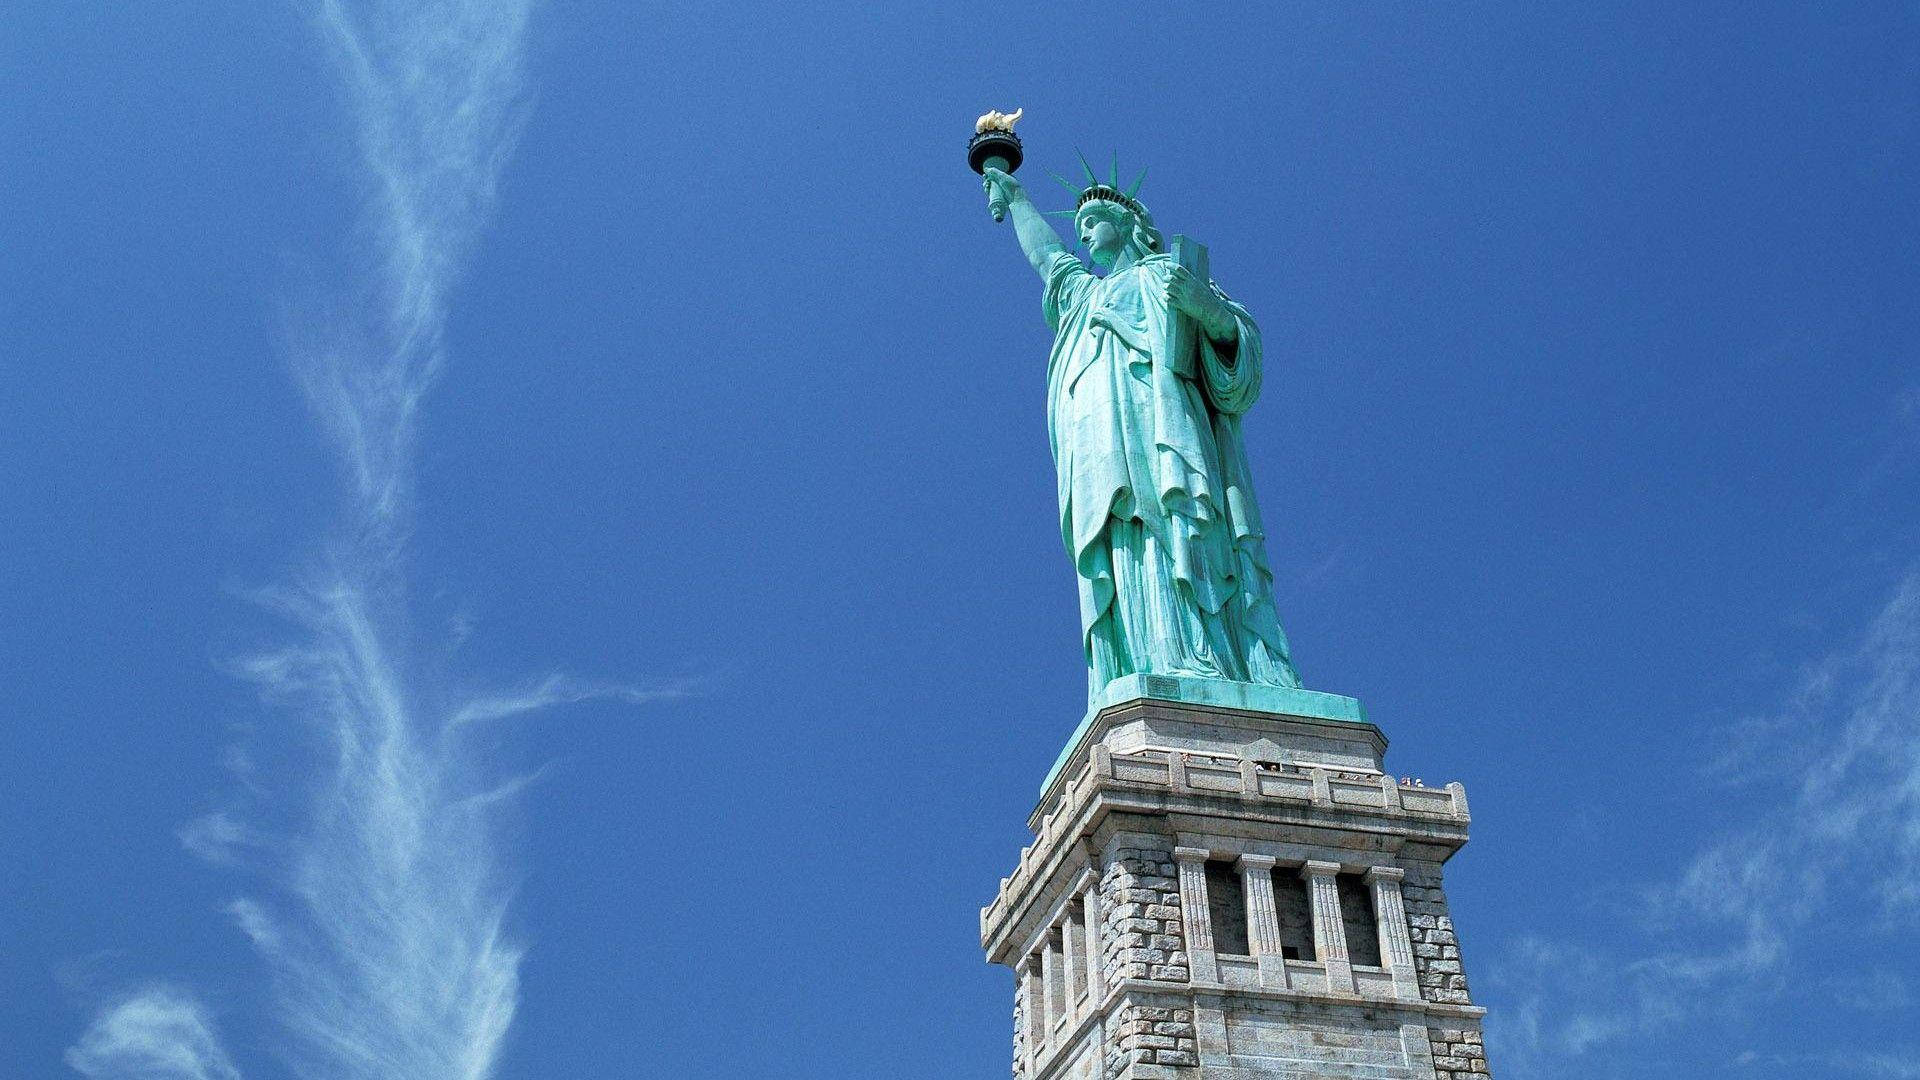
[1224, 884]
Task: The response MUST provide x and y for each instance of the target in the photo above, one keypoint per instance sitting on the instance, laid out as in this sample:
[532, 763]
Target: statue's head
[1110, 222]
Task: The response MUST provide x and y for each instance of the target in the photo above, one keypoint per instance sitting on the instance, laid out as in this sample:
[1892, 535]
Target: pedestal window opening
[1227, 909]
[1295, 913]
[1356, 912]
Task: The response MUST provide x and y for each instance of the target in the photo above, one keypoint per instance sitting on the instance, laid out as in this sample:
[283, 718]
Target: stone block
[1151, 1042]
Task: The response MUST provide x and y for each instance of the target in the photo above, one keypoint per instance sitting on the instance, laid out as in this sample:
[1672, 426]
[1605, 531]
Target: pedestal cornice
[1320, 806]
[1273, 713]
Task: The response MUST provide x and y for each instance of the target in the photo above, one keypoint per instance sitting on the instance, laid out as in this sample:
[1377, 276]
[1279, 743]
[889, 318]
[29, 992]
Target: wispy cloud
[386, 936]
[382, 913]
[157, 1033]
[1867, 1064]
[217, 838]
[561, 690]
[1833, 779]
[1877, 1066]
[436, 89]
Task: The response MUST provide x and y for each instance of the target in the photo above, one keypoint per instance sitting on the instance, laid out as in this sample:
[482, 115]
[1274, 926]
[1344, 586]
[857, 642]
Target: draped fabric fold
[1157, 507]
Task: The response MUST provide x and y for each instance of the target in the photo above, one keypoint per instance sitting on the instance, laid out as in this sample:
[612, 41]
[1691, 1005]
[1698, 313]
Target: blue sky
[1590, 448]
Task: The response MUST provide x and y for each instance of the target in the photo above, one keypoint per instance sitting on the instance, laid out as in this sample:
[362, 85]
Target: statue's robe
[1156, 503]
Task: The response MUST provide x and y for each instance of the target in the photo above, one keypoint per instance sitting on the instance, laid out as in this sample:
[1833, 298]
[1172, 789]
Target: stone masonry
[1022, 1010]
[1436, 952]
[1107, 921]
[1141, 899]
[1458, 1053]
[1160, 1034]
[1145, 940]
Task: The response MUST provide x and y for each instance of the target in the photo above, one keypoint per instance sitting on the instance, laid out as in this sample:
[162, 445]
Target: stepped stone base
[1225, 885]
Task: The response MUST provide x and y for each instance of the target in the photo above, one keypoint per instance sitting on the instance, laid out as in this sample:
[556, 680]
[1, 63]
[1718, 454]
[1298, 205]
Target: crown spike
[1137, 181]
[1086, 168]
[1113, 172]
[1064, 182]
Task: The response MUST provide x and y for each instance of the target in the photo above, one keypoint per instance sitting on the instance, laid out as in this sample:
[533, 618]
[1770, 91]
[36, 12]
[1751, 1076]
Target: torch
[994, 145]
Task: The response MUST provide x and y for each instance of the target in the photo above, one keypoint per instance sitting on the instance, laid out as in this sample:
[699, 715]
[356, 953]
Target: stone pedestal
[1224, 884]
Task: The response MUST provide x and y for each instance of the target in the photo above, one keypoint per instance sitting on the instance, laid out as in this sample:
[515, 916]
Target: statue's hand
[1000, 185]
[1194, 298]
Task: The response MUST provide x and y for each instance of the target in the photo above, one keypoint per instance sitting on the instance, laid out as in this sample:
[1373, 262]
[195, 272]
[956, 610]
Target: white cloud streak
[558, 690]
[387, 942]
[1833, 777]
[435, 86]
[157, 1033]
[383, 920]
[1877, 1066]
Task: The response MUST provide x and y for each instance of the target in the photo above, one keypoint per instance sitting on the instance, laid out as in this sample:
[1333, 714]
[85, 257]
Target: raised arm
[1036, 237]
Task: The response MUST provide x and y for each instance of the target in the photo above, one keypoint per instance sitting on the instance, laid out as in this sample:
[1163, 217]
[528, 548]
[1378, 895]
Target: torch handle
[996, 202]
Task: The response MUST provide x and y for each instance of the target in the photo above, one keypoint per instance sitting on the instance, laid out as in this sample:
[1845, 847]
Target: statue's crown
[1102, 191]
[1109, 193]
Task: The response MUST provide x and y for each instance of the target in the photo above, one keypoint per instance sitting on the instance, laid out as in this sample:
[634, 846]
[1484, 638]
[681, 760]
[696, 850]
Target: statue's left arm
[1197, 299]
[1229, 368]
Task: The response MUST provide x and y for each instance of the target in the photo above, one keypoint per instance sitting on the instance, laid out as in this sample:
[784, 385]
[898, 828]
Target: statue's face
[1104, 231]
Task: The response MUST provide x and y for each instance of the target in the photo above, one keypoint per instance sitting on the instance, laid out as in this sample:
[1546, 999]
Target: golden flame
[997, 121]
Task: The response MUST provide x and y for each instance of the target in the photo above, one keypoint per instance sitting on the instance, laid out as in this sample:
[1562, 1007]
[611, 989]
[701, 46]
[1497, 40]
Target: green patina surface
[1151, 370]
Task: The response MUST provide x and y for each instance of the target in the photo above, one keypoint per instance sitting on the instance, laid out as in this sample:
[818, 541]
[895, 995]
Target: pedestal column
[1073, 971]
[1096, 964]
[1050, 980]
[1202, 965]
[1329, 932]
[1263, 919]
[1390, 915]
[1034, 1012]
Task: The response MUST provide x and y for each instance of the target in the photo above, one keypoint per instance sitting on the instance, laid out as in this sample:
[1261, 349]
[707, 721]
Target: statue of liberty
[1156, 501]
